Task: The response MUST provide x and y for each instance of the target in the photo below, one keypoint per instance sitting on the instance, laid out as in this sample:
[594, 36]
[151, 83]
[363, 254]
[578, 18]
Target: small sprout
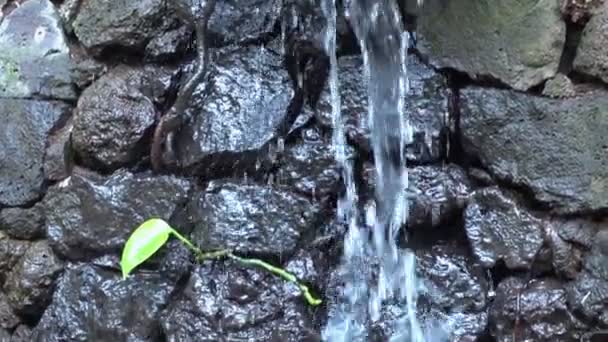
[149, 237]
[146, 240]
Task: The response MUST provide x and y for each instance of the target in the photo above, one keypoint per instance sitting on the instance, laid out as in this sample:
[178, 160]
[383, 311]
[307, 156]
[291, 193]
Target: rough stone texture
[89, 216]
[93, 303]
[34, 58]
[235, 303]
[23, 136]
[309, 167]
[22, 334]
[21, 223]
[30, 284]
[244, 20]
[559, 86]
[457, 286]
[168, 44]
[519, 42]
[498, 228]
[541, 308]
[426, 107]
[238, 109]
[588, 293]
[556, 148]
[11, 251]
[58, 155]
[438, 194]
[251, 219]
[592, 52]
[8, 318]
[569, 241]
[119, 104]
[129, 24]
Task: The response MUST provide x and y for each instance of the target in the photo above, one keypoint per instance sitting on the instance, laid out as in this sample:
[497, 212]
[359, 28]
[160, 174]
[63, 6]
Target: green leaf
[146, 240]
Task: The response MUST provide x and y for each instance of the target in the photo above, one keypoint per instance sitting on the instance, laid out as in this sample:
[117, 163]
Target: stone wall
[509, 168]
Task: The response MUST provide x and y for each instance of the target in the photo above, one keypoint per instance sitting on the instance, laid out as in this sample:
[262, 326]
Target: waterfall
[383, 40]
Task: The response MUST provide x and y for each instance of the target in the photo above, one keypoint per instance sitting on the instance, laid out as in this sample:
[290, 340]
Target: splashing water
[378, 27]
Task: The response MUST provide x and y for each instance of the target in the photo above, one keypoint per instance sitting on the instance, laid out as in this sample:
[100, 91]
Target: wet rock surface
[237, 111]
[243, 21]
[100, 24]
[517, 42]
[555, 148]
[89, 216]
[438, 194]
[252, 219]
[23, 136]
[119, 104]
[31, 282]
[534, 310]
[93, 303]
[588, 293]
[507, 176]
[27, 224]
[228, 301]
[457, 287]
[11, 251]
[34, 56]
[309, 167]
[426, 108]
[498, 228]
[8, 318]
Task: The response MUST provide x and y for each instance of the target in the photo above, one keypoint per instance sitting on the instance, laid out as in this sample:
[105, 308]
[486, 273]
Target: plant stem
[278, 272]
[225, 253]
[187, 242]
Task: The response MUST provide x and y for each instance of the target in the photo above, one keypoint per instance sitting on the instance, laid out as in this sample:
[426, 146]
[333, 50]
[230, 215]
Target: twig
[174, 118]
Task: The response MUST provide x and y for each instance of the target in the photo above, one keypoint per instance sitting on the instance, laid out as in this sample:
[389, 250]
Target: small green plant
[151, 235]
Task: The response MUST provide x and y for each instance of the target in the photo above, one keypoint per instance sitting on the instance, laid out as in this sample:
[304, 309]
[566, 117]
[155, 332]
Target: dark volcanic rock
[251, 219]
[21, 223]
[456, 285]
[588, 293]
[454, 280]
[22, 333]
[231, 302]
[592, 52]
[23, 135]
[93, 303]
[11, 252]
[556, 148]
[8, 318]
[88, 216]
[34, 56]
[569, 240]
[309, 167]
[131, 24]
[237, 110]
[57, 158]
[301, 21]
[498, 228]
[519, 42]
[244, 20]
[540, 308]
[168, 44]
[114, 114]
[426, 107]
[30, 284]
[438, 194]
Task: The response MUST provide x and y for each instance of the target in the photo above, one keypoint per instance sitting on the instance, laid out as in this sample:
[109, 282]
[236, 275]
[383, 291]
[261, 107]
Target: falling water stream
[375, 271]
